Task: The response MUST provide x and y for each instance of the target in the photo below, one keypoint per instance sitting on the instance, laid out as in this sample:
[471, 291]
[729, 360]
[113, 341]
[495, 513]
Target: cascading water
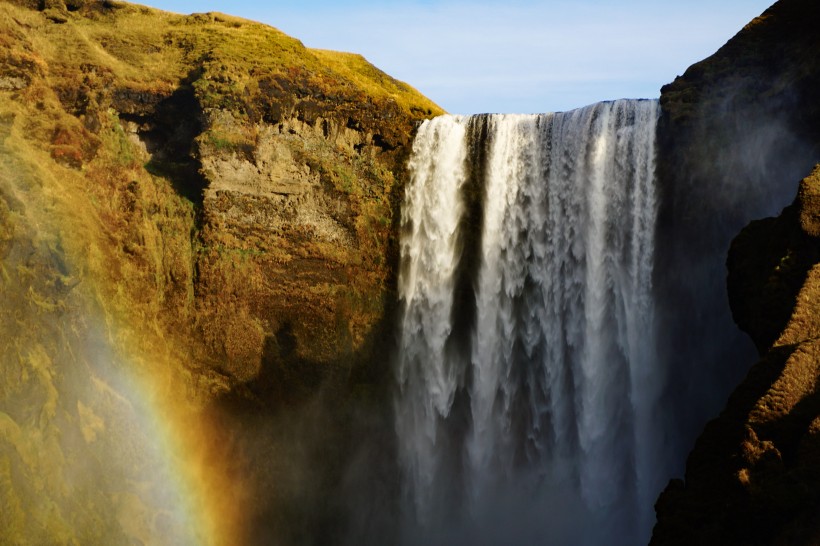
[527, 404]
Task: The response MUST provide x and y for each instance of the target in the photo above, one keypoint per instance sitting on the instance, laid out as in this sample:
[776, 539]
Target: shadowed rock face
[738, 130]
[200, 212]
[752, 477]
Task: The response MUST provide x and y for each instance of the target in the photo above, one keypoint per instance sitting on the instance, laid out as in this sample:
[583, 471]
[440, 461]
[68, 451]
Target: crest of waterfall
[528, 391]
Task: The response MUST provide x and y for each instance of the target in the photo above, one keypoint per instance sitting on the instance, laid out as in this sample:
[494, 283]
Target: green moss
[227, 142]
[376, 83]
[123, 151]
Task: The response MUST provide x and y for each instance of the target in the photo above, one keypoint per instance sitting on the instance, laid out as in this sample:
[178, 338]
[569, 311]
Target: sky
[509, 56]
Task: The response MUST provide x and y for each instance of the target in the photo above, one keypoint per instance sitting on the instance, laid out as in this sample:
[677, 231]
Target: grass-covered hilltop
[198, 221]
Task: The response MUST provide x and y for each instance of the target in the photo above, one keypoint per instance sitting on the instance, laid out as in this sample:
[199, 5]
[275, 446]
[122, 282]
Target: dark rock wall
[752, 477]
[738, 130]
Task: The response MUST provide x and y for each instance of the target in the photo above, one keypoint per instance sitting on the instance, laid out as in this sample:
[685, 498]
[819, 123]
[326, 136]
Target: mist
[741, 160]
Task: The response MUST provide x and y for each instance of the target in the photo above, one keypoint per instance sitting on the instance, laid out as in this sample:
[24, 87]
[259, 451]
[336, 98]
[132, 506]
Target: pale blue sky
[513, 55]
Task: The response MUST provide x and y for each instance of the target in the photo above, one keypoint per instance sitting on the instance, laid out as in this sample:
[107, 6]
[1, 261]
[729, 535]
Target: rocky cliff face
[752, 477]
[738, 130]
[197, 235]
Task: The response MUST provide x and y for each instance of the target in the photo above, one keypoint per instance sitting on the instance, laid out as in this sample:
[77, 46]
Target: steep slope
[197, 220]
[752, 477]
[738, 129]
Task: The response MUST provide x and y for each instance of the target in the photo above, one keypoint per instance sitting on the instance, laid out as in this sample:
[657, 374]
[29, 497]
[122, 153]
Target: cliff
[736, 131]
[752, 477]
[197, 260]
[739, 129]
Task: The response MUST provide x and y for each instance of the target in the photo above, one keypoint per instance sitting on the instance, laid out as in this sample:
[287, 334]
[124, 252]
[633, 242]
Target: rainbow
[160, 453]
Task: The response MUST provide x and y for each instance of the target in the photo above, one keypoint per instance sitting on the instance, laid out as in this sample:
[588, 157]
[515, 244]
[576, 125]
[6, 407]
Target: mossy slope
[144, 274]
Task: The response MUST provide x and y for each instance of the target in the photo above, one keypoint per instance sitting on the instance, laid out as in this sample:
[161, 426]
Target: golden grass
[374, 82]
[145, 48]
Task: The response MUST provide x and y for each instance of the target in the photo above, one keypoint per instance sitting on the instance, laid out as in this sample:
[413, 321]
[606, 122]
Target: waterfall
[527, 404]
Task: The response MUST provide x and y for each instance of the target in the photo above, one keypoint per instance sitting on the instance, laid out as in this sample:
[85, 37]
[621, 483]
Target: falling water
[527, 405]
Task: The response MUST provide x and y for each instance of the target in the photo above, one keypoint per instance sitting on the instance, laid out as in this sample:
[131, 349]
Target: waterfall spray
[526, 358]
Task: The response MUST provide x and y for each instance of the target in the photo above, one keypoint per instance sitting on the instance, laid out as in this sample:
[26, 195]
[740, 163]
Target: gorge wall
[197, 219]
[738, 130]
[752, 477]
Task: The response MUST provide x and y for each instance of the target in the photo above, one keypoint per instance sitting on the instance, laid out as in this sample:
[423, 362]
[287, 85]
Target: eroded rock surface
[752, 477]
[197, 255]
